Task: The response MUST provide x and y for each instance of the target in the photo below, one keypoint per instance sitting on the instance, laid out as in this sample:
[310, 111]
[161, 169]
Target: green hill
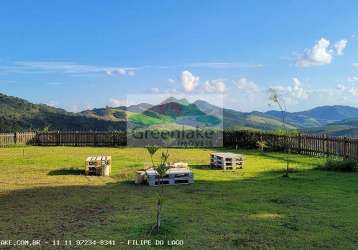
[347, 127]
[108, 113]
[20, 115]
[317, 117]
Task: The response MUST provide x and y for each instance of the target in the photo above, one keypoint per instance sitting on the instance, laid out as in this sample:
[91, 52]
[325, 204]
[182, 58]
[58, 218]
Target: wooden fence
[81, 139]
[317, 145]
[17, 138]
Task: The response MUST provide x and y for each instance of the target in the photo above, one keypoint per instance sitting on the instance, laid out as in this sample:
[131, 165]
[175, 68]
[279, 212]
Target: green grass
[43, 195]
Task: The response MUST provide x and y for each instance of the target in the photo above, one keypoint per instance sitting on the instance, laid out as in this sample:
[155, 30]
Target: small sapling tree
[161, 169]
[275, 98]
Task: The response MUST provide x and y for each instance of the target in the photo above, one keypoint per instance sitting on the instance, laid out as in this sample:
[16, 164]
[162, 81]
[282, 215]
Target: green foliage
[152, 150]
[339, 165]
[262, 145]
[163, 167]
[46, 129]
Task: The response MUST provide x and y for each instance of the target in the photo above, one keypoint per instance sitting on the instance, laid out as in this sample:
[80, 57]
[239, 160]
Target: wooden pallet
[98, 165]
[226, 161]
[174, 176]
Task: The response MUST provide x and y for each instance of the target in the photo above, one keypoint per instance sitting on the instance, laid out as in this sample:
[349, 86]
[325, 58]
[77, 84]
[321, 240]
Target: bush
[339, 165]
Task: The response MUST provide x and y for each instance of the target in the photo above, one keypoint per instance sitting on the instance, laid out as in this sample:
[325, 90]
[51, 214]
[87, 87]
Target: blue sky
[85, 54]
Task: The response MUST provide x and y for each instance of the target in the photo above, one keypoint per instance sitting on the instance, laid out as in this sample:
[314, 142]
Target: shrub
[339, 165]
[262, 145]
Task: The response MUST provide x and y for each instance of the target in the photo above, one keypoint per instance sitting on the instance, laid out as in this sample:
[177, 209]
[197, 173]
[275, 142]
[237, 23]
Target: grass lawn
[41, 197]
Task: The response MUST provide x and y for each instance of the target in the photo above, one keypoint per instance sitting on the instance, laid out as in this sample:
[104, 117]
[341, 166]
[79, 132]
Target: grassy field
[44, 195]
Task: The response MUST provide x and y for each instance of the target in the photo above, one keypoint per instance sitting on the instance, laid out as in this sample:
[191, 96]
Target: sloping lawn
[44, 195]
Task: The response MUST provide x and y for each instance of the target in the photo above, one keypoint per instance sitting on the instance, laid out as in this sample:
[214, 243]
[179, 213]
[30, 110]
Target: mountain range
[20, 115]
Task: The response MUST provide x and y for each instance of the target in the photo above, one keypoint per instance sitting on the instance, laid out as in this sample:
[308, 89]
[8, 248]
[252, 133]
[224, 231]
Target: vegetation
[279, 101]
[262, 145]
[161, 169]
[19, 115]
[339, 165]
[44, 195]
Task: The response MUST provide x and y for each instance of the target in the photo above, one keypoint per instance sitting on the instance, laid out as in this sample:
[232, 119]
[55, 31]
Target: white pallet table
[226, 161]
[173, 176]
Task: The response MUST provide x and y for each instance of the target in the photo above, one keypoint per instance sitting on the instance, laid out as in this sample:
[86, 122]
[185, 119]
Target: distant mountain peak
[182, 101]
[139, 107]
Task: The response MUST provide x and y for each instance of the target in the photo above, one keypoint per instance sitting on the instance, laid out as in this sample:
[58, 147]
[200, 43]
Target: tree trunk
[158, 205]
[158, 214]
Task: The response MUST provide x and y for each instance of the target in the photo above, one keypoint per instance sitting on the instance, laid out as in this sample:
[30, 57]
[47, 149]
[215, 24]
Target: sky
[79, 55]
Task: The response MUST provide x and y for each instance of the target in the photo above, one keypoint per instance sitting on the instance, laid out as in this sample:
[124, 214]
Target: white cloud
[340, 46]
[66, 68]
[246, 85]
[353, 79]
[292, 93]
[155, 90]
[170, 91]
[296, 90]
[52, 104]
[130, 72]
[355, 65]
[341, 87]
[171, 80]
[114, 102]
[321, 53]
[350, 90]
[189, 81]
[118, 71]
[214, 86]
[317, 55]
[353, 91]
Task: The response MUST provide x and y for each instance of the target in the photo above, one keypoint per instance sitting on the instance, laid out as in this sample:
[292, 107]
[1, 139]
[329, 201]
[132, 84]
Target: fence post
[76, 138]
[325, 143]
[95, 138]
[299, 143]
[345, 148]
[15, 138]
[58, 138]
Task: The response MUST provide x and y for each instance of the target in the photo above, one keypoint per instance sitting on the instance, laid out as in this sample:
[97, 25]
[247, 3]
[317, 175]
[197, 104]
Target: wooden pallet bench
[173, 176]
[98, 165]
[226, 161]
